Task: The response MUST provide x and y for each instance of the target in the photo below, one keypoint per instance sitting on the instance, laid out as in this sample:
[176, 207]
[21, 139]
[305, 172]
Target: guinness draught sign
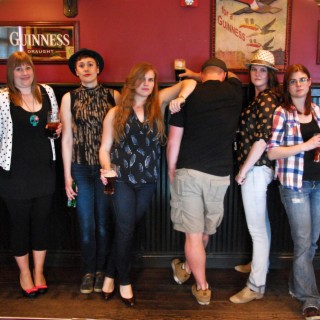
[45, 42]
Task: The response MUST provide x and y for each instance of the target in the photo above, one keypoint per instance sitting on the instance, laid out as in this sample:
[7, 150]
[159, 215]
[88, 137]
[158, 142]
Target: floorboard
[157, 297]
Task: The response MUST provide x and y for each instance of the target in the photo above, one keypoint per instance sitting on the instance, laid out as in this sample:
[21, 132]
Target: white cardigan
[6, 129]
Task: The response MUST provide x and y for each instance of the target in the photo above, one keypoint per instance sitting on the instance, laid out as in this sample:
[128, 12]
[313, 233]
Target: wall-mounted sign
[241, 27]
[45, 42]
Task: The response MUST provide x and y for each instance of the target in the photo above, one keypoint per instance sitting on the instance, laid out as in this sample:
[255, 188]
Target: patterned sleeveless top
[137, 155]
[89, 106]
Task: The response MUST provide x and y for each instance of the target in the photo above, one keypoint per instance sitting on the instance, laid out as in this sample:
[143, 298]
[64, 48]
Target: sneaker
[311, 313]
[87, 283]
[246, 295]
[203, 297]
[180, 275]
[244, 268]
[98, 282]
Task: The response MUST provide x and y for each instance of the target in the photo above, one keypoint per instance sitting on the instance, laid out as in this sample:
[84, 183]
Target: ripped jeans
[303, 211]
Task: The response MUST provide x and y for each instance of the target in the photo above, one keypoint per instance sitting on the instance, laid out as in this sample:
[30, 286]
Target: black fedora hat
[85, 52]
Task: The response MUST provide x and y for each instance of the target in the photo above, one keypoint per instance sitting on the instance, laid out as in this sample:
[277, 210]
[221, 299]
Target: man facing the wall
[199, 155]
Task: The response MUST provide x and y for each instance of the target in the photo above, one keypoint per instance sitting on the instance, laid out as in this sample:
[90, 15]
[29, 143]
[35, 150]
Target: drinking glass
[111, 176]
[53, 120]
[179, 67]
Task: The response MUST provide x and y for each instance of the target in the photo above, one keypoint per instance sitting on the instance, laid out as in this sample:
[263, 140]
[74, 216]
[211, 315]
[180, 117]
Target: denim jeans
[303, 211]
[254, 197]
[94, 217]
[131, 202]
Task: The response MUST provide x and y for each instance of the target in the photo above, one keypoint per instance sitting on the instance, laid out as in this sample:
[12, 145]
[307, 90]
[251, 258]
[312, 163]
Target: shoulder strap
[52, 97]
[54, 107]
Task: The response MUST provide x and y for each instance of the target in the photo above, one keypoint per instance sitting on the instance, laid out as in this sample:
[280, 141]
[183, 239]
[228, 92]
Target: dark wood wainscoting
[157, 242]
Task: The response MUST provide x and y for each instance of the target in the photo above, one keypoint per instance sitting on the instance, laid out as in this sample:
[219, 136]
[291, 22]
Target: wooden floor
[157, 297]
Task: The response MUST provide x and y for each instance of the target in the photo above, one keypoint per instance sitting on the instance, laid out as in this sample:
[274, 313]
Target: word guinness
[47, 40]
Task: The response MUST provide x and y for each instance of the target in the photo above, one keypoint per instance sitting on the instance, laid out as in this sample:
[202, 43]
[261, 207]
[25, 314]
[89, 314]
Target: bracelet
[182, 98]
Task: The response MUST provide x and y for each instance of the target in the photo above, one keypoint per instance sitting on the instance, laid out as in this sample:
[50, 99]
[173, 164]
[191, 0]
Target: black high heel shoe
[108, 295]
[30, 293]
[129, 302]
[42, 289]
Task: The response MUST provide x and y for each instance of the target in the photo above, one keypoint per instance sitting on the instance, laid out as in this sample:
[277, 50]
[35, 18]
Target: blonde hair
[17, 59]
[153, 113]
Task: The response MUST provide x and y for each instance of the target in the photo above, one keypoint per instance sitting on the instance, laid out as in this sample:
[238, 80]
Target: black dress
[32, 172]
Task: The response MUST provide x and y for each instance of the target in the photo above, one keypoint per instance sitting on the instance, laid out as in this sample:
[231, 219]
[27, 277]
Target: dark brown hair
[273, 84]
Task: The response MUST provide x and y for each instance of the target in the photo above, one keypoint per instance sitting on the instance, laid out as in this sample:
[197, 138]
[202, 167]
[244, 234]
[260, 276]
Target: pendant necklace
[34, 119]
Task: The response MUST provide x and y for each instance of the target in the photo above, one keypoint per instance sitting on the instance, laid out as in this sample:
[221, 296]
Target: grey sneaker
[87, 283]
[98, 282]
[180, 275]
[203, 297]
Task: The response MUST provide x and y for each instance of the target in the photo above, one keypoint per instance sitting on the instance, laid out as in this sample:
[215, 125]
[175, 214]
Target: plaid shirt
[286, 132]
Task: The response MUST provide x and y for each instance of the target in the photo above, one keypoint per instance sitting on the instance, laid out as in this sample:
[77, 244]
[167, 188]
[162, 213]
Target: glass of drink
[316, 157]
[179, 67]
[53, 120]
[111, 176]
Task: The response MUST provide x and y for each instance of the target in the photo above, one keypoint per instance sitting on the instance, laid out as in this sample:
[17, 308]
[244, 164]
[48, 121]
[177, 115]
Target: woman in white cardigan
[27, 174]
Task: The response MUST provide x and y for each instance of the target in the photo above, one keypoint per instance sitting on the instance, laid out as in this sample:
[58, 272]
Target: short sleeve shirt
[256, 124]
[210, 118]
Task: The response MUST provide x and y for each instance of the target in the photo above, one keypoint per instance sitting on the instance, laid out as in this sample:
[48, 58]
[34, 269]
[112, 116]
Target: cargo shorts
[197, 201]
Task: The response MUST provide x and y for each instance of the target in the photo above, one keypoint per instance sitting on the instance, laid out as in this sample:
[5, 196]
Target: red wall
[130, 31]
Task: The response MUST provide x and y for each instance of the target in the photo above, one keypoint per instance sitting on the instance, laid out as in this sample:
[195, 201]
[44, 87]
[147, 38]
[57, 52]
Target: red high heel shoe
[43, 288]
[30, 293]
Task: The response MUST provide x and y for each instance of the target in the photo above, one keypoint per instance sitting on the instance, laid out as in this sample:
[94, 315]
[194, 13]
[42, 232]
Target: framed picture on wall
[45, 42]
[239, 28]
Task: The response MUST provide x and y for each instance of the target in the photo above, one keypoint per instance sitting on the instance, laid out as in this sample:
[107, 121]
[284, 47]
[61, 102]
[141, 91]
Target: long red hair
[153, 114]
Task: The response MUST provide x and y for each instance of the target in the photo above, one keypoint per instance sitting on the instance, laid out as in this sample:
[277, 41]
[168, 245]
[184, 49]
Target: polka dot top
[256, 124]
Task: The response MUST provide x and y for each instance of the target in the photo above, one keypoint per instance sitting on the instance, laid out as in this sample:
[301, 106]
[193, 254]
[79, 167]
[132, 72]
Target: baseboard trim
[214, 261]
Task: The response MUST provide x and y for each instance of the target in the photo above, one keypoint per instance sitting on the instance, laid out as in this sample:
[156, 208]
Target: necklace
[34, 119]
